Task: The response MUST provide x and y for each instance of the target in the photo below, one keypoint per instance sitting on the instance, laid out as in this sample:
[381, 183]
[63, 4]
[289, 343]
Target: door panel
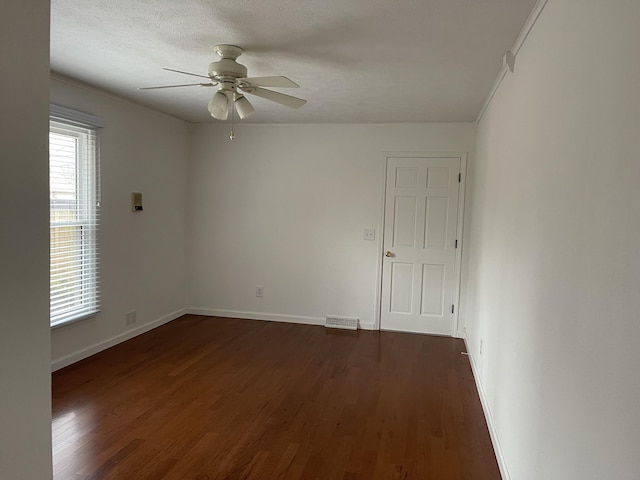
[406, 177]
[435, 224]
[421, 208]
[404, 222]
[401, 287]
[438, 177]
[433, 282]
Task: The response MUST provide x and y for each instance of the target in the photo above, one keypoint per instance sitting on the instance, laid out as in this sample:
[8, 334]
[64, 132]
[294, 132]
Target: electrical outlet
[480, 346]
[131, 318]
[259, 291]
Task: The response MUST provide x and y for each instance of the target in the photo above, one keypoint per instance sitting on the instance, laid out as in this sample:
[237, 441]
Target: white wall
[285, 206]
[142, 255]
[25, 385]
[554, 238]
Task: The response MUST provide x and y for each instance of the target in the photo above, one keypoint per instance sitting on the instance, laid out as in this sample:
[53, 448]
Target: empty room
[299, 240]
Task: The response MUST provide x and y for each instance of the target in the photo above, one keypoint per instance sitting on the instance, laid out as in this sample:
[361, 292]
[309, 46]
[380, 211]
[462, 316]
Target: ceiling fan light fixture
[231, 77]
[219, 106]
[243, 107]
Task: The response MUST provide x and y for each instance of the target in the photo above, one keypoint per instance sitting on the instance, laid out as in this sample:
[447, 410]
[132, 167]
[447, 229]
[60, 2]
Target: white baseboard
[367, 326]
[270, 317]
[502, 465]
[98, 347]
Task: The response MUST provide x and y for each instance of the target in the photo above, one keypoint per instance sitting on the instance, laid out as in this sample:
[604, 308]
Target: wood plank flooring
[215, 398]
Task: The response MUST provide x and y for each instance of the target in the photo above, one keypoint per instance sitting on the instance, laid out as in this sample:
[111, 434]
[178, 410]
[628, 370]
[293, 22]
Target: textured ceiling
[362, 61]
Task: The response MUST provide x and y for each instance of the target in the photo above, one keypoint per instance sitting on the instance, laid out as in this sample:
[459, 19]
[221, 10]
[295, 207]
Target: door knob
[388, 253]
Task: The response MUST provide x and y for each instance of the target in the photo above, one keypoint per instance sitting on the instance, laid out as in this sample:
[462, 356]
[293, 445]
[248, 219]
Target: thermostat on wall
[136, 202]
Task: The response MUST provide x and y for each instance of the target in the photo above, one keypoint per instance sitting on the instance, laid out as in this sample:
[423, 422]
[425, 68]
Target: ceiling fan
[231, 78]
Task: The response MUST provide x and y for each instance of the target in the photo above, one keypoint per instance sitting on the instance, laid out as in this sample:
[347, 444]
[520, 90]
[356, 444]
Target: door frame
[458, 332]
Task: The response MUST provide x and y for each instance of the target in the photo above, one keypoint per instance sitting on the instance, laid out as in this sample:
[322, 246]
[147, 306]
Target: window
[74, 202]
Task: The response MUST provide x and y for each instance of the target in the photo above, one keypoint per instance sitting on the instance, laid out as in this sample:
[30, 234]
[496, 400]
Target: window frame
[85, 205]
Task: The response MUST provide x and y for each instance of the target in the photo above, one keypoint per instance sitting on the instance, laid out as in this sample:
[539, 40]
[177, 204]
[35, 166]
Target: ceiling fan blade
[277, 82]
[186, 73]
[183, 85]
[281, 98]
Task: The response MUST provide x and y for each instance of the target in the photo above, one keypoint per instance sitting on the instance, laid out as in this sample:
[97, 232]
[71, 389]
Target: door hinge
[459, 177]
[456, 243]
[452, 308]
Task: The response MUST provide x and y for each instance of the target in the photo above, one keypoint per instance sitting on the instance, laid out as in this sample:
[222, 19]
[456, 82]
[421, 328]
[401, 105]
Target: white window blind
[74, 198]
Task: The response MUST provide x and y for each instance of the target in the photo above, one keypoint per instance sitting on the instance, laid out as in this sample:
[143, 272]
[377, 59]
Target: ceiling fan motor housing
[229, 76]
[227, 68]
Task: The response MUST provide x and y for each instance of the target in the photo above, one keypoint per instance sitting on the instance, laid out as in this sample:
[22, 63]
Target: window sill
[81, 318]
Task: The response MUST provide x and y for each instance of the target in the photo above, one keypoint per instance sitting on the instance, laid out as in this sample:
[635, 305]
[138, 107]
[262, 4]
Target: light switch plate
[369, 234]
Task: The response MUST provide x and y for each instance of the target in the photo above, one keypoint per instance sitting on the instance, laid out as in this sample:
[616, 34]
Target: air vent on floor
[348, 323]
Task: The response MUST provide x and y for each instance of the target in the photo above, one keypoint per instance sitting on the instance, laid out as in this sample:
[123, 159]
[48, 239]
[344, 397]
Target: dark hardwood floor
[216, 398]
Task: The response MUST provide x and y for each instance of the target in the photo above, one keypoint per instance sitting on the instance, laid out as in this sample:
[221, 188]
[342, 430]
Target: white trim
[380, 247]
[367, 326]
[528, 25]
[77, 117]
[463, 156]
[81, 318]
[129, 334]
[522, 37]
[459, 234]
[270, 317]
[493, 433]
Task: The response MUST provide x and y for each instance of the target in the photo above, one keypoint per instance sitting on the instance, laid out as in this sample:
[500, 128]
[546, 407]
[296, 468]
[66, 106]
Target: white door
[420, 224]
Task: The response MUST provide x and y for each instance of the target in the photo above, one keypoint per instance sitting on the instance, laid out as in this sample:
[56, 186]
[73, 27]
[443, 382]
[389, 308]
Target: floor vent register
[347, 323]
